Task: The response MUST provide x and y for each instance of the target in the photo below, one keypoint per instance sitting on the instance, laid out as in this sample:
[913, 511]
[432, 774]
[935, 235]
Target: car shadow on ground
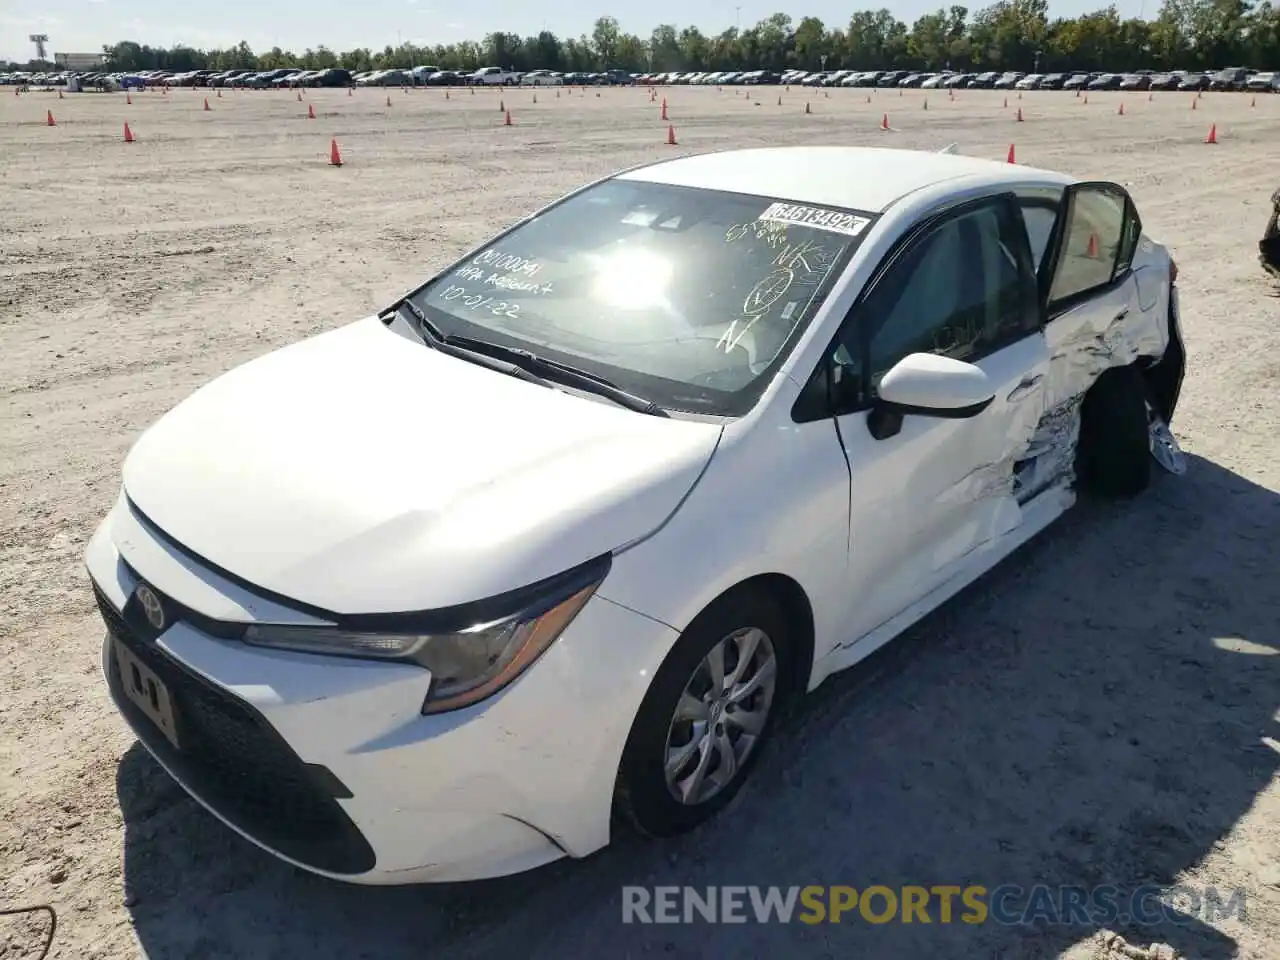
[1091, 713]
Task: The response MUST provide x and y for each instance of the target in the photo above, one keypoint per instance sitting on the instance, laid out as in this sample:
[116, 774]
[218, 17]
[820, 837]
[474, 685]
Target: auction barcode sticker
[819, 218]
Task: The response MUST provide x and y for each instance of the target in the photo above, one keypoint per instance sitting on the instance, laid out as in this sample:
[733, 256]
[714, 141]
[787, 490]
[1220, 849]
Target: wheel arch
[797, 611]
[793, 601]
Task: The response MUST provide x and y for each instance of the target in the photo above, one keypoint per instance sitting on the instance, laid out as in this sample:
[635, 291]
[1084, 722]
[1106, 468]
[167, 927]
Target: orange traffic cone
[219, 94]
[502, 107]
[1253, 102]
[350, 92]
[311, 112]
[1010, 157]
[335, 157]
[663, 116]
[206, 105]
[779, 101]
[60, 97]
[868, 99]
[1193, 104]
[128, 134]
[506, 121]
[1213, 134]
[388, 100]
[1120, 112]
[1006, 103]
[1092, 252]
[535, 98]
[49, 119]
[1086, 100]
[128, 99]
[807, 108]
[925, 105]
[671, 135]
[299, 96]
[1018, 115]
[884, 122]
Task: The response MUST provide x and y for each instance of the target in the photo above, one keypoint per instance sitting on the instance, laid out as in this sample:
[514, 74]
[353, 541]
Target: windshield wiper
[529, 365]
[564, 373]
[436, 339]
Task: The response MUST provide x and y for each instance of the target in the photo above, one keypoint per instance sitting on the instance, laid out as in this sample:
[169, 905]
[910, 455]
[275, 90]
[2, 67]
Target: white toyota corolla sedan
[556, 536]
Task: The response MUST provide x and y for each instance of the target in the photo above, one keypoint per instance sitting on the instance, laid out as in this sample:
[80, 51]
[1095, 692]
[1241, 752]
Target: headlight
[466, 666]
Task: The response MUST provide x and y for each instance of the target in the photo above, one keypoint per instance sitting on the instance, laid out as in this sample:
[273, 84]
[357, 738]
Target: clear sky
[83, 26]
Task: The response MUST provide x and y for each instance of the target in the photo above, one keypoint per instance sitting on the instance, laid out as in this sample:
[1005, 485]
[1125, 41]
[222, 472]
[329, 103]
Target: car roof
[870, 179]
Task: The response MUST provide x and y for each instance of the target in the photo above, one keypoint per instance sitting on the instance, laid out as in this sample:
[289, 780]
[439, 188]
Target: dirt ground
[1101, 709]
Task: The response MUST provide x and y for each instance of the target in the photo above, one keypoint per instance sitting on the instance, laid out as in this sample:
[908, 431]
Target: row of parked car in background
[425, 75]
[1232, 78]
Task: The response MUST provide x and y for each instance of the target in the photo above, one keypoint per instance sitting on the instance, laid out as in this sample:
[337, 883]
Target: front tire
[708, 713]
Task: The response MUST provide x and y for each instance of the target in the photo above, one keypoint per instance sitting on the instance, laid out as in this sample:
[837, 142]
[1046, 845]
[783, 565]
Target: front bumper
[328, 763]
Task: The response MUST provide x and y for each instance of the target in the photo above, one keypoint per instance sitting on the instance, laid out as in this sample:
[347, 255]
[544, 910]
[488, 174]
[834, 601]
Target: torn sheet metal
[1049, 459]
[1113, 330]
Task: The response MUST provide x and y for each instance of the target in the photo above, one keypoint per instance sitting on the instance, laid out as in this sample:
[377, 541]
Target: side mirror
[928, 385]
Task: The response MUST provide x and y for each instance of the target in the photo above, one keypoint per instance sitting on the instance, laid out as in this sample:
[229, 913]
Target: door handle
[1028, 386]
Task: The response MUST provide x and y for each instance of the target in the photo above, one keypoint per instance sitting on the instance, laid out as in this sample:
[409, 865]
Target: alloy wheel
[720, 716]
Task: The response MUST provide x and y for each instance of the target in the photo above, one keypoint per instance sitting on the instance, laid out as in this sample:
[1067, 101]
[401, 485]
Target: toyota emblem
[151, 606]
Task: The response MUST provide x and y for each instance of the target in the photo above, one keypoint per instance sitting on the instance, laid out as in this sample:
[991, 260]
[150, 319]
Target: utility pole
[737, 18]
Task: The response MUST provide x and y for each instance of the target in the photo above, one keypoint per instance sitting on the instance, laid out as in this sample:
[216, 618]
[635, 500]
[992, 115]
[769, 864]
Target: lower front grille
[237, 763]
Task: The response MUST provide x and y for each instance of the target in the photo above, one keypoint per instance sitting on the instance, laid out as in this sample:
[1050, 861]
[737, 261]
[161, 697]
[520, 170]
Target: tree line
[1010, 35]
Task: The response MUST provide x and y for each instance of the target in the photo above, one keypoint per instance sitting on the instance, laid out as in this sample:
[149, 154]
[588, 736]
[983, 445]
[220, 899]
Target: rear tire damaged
[1124, 424]
[1113, 458]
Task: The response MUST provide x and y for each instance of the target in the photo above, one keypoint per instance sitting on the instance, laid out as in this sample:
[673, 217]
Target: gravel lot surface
[1101, 709]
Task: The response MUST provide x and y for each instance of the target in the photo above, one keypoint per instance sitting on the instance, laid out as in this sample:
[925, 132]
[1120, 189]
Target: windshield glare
[692, 298]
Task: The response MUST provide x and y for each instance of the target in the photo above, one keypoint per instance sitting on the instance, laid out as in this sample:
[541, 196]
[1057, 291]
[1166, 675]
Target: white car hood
[361, 472]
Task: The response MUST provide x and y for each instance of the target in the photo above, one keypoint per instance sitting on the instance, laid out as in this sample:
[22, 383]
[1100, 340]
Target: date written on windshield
[480, 302]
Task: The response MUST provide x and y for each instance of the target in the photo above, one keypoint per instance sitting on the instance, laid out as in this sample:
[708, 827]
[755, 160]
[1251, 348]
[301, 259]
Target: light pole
[823, 60]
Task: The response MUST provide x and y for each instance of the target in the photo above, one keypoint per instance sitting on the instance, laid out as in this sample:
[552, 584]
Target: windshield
[692, 298]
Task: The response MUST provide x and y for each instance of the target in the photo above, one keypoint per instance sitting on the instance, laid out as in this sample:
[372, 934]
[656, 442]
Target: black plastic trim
[885, 418]
[337, 847]
[953, 413]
